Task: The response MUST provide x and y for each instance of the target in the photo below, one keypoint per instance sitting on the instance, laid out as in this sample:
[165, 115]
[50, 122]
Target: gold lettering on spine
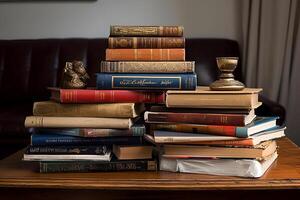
[135, 54]
[160, 31]
[135, 42]
[151, 54]
[168, 54]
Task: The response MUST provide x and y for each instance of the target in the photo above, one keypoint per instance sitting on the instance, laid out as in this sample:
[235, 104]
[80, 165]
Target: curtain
[271, 54]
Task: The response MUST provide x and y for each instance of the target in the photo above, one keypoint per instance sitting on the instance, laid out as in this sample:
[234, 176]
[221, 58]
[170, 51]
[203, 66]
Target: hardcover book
[170, 137]
[166, 31]
[38, 139]
[77, 122]
[96, 166]
[129, 152]
[145, 54]
[28, 156]
[145, 42]
[105, 96]
[259, 124]
[147, 81]
[259, 152]
[199, 118]
[135, 130]
[147, 67]
[226, 167]
[203, 97]
[74, 150]
[110, 110]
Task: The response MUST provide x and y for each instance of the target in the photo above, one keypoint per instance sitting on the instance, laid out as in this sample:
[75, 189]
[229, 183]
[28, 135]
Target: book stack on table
[99, 129]
[214, 132]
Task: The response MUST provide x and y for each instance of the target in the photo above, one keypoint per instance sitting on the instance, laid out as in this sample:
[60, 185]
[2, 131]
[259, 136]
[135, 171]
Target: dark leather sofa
[27, 67]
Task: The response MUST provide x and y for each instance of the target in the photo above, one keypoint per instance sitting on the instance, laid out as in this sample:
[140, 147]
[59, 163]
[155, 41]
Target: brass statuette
[74, 75]
[226, 79]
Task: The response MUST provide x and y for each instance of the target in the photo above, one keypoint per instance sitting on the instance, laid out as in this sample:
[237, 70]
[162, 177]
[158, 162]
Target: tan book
[124, 152]
[147, 67]
[203, 97]
[258, 152]
[114, 110]
[77, 122]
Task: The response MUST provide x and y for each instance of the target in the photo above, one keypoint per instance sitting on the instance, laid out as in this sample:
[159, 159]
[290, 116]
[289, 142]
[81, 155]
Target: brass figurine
[74, 75]
[226, 79]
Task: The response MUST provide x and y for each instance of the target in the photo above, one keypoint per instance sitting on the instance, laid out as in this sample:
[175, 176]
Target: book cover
[135, 130]
[166, 31]
[259, 124]
[130, 152]
[110, 110]
[78, 122]
[145, 42]
[145, 54]
[199, 118]
[68, 157]
[94, 166]
[204, 139]
[203, 97]
[259, 152]
[38, 139]
[147, 67]
[146, 81]
[55, 150]
[105, 96]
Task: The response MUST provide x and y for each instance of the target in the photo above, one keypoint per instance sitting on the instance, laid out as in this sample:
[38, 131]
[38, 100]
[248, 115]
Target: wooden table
[18, 179]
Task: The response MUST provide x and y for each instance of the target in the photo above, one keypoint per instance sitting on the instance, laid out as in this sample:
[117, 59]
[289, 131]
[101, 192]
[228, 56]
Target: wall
[201, 18]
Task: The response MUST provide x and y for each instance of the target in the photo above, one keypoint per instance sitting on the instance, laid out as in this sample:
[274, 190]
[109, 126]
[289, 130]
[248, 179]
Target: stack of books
[214, 132]
[146, 58]
[87, 137]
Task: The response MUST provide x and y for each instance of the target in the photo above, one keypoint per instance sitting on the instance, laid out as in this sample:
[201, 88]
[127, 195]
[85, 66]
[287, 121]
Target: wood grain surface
[283, 174]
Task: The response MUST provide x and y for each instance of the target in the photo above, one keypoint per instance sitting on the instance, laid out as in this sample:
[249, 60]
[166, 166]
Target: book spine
[49, 140]
[191, 128]
[87, 150]
[167, 31]
[113, 166]
[147, 81]
[117, 110]
[237, 143]
[89, 132]
[145, 42]
[110, 96]
[195, 118]
[147, 67]
[77, 122]
[145, 54]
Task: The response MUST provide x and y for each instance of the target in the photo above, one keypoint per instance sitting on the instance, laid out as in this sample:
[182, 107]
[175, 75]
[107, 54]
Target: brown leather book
[145, 42]
[129, 152]
[147, 67]
[145, 54]
[203, 97]
[111, 110]
[168, 31]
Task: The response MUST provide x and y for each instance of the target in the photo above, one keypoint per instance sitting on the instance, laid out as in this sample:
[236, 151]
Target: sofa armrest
[271, 108]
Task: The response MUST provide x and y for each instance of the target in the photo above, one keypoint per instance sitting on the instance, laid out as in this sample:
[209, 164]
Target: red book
[105, 96]
[145, 54]
[199, 118]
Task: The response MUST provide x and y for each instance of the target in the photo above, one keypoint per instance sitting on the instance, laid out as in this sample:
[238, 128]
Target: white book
[66, 157]
[227, 167]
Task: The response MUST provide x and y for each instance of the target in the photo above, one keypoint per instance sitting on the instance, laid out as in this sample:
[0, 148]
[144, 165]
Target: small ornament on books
[226, 80]
[74, 75]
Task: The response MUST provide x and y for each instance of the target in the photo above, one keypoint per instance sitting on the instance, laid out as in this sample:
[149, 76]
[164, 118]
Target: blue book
[135, 130]
[38, 139]
[147, 81]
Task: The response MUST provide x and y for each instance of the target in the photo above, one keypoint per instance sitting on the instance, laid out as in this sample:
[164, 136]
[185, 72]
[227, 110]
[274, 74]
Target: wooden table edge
[154, 185]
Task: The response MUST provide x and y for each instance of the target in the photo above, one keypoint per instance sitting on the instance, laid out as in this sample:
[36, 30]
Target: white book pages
[227, 167]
